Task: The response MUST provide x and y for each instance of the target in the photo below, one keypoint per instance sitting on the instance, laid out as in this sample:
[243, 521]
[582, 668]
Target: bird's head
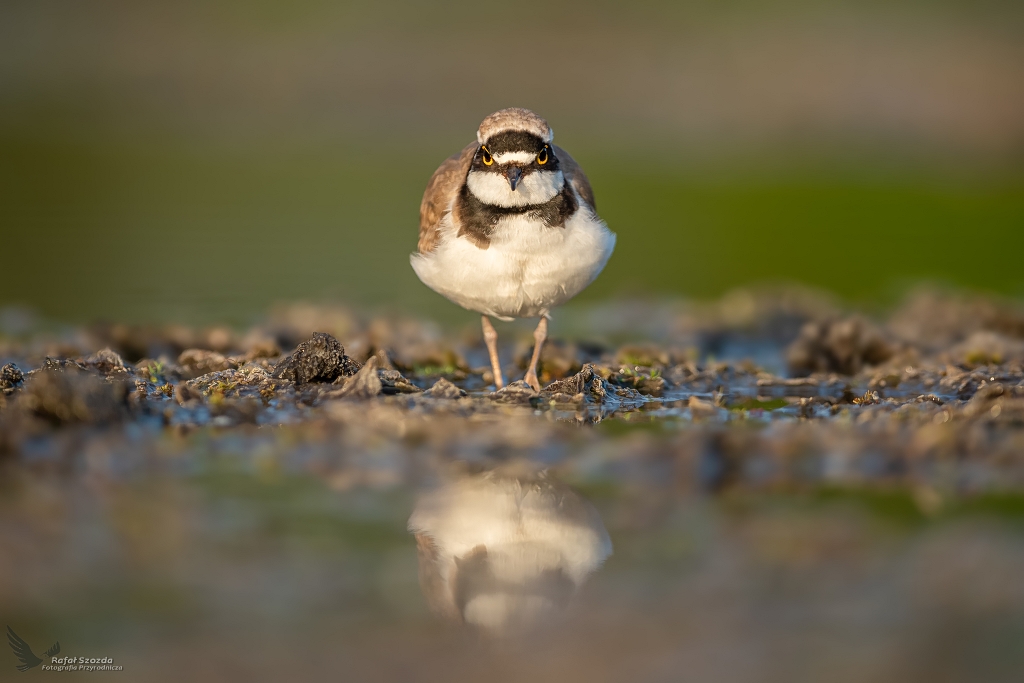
[515, 164]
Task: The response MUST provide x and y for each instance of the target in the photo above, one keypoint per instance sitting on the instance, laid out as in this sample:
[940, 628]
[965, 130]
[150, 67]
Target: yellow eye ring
[486, 156]
[542, 158]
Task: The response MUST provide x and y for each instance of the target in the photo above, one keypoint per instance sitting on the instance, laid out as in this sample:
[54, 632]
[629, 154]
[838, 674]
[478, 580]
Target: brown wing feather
[575, 175]
[441, 190]
[436, 591]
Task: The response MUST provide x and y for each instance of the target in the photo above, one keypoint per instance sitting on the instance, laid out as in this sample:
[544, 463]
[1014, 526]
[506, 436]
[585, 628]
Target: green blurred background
[201, 161]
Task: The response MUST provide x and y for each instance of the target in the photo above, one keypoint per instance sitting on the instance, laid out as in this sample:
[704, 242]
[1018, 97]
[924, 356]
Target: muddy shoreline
[791, 491]
[932, 395]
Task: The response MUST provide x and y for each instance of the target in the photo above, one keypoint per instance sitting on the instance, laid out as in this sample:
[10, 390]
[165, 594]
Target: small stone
[106, 362]
[444, 389]
[576, 384]
[393, 382]
[843, 346]
[364, 384]
[199, 362]
[321, 358]
[10, 378]
[60, 365]
[69, 397]
[185, 394]
[516, 392]
[987, 348]
[651, 386]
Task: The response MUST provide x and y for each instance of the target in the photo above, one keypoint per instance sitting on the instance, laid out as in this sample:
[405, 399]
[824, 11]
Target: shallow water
[652, 514]
[246, 567]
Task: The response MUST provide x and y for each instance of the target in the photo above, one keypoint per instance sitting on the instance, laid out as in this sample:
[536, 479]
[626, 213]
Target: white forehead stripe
[514, 157]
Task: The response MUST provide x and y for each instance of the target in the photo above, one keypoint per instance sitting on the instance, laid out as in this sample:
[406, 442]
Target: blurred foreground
[792, 491]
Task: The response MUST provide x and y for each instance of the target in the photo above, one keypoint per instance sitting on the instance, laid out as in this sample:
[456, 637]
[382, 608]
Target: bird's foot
[531, 379]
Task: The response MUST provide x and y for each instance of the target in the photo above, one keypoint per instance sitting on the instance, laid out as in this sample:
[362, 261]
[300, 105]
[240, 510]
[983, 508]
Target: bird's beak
[514, 174]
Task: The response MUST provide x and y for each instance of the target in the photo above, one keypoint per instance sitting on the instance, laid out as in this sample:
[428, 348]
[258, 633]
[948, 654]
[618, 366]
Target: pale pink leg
[539, 335]
[491, 339]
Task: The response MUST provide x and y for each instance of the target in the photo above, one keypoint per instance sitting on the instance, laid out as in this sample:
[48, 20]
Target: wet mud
[933, 390]
[799, 487]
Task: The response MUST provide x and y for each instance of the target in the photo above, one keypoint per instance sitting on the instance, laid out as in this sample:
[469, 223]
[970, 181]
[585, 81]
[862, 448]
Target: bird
[24, 653]
[509, 229]
[501, 551]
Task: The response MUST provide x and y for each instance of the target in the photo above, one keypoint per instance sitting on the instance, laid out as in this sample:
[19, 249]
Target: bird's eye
[542, 158]
[486, 156]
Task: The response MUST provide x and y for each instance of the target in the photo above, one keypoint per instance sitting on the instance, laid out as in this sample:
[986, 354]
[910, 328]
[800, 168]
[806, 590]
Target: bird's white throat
[534, 188]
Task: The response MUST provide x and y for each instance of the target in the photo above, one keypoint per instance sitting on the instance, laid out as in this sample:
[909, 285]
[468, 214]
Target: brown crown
[514, 118]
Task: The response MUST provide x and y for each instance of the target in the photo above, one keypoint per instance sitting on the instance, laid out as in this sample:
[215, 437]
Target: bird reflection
[504, 552]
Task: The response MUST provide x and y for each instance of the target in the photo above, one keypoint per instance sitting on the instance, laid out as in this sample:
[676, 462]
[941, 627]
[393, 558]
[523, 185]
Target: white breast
[528, 269]
[526, 529]
[531, 532]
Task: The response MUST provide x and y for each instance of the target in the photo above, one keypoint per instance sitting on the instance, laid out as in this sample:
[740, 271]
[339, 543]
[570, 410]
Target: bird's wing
[54, 650]
[22, 651]
[575, 175]
[435, 589]
[441, 190]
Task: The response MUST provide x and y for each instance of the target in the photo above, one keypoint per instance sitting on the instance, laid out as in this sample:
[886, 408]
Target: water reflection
[502, 552]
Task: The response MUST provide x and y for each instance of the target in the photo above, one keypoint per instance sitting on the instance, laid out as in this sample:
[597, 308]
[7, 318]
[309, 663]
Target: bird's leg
[491, 339]
[539, 335]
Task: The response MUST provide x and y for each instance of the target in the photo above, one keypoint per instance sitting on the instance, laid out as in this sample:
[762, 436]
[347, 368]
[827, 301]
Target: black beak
[514, 174]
